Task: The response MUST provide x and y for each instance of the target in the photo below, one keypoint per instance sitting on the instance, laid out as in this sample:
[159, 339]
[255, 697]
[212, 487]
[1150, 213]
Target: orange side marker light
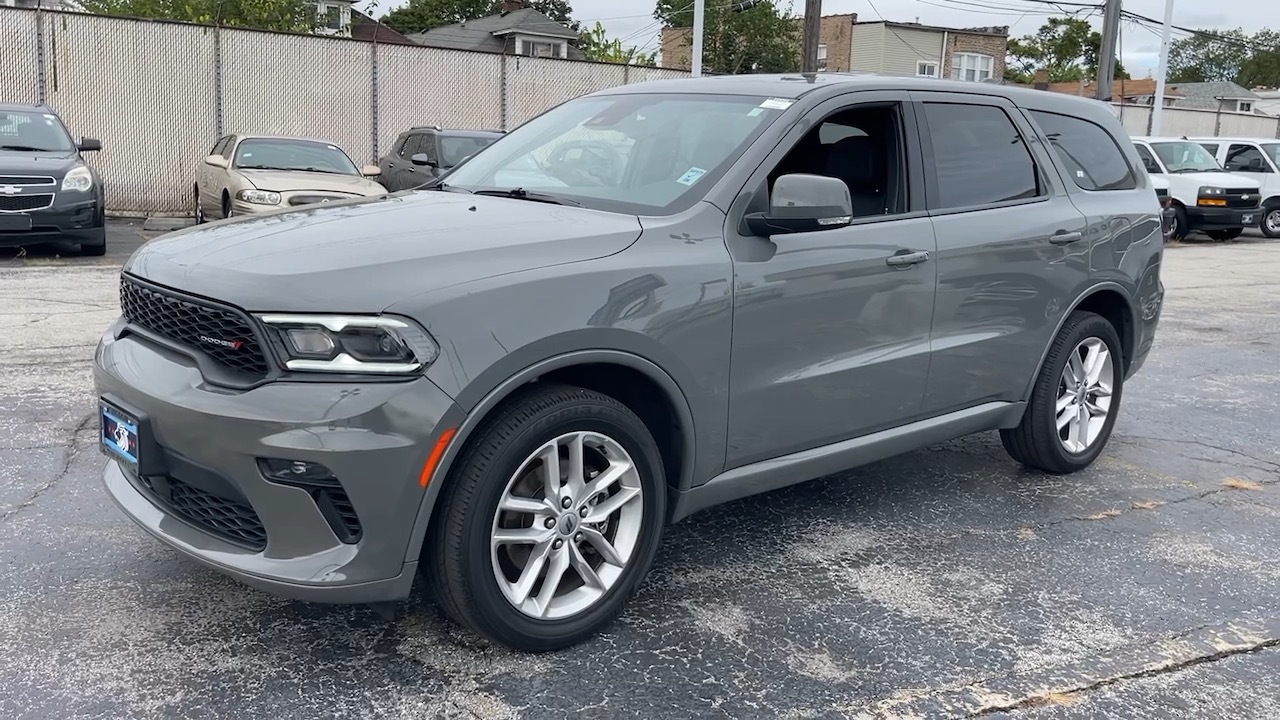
[436, 453]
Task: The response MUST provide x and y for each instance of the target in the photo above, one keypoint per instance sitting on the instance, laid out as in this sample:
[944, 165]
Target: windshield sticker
[691, 176]
[777, 104]
[755, 111]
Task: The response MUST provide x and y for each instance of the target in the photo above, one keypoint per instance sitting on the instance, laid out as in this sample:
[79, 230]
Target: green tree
[422, 15]
[596, 46]
[283, 15]
[761, 38]
[1067, 47]
[1263, 66]
[1211, 55]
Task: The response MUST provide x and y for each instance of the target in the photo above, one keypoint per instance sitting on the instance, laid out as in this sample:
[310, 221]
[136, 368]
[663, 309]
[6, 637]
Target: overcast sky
[633, 20]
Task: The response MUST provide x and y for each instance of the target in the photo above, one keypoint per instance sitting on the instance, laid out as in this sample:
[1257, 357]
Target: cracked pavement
[944, 583]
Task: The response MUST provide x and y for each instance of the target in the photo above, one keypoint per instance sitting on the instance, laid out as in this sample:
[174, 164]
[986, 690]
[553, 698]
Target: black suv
[47, 191]
[422, 154]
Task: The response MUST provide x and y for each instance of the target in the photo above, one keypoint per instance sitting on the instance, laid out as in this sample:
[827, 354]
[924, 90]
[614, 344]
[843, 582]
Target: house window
[334, 17]
[822, 57]
[925, 68]
[1244, 106]
[972, 67]
[540, 48]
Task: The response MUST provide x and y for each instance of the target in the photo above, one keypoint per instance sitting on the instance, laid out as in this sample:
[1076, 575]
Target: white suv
[1204, 196]
[1262, 159]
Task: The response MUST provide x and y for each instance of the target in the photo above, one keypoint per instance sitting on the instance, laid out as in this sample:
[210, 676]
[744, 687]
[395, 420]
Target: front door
[1013, 250]
[830, 340]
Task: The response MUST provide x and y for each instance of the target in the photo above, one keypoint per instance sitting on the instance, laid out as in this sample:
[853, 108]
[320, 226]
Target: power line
[1225, 40]
[903, 40]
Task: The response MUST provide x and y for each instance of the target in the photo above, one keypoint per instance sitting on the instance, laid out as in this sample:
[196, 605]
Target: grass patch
[1241, 484]
[1148, 504]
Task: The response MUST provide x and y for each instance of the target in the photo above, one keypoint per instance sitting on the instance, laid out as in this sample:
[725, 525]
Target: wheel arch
[597, 370]
[1111, 301]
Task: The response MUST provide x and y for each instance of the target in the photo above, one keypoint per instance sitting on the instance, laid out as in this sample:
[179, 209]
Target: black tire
[1179, 231]
[1272, 212]
[458, 561]
[199, 211]
[1224, 235]
[95, 245]
[1035, 442]
[226, 204]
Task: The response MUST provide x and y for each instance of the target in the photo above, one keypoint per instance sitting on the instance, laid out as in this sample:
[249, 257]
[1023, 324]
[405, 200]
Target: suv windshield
[304, 155]
[1185, 156]
[33, 132]
[642, 154]
[456, 148]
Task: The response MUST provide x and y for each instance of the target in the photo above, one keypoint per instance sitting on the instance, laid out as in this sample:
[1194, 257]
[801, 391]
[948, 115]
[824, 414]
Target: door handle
[1065, 238]
[906, 259]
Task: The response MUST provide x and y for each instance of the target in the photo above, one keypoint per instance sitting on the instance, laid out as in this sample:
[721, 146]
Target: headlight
[79, 179]
[352, 343]
[1210, 191]
[259, 197]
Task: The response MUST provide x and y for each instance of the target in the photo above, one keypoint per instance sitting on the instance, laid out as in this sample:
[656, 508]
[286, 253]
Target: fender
[471, 420]
[1107, 285]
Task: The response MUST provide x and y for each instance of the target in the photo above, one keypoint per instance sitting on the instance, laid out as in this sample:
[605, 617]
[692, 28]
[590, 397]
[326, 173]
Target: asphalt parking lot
[944, 583]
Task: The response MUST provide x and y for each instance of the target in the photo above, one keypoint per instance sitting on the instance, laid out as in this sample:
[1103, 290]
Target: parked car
[776, 280]
[423, 154]
[253, 174]
[1205, 197]
[1261, 158]
[48, 191]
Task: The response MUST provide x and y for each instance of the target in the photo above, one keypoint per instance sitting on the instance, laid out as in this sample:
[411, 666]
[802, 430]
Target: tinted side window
[220, 147]
[1211, 147]
[1245, 158]
[1091, 156]
[979, 157]
[1148, 160]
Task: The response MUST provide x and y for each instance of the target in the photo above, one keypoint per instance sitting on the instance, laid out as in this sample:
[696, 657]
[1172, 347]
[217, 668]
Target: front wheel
[95, 245]
[1271, 220]
[550, 519]
[1179, 231]
[1075, 399]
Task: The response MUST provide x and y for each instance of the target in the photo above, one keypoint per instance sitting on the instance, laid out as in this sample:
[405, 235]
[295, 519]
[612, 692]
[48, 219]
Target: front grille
[18, 203]
[1235, 197]
[313, 199]
[27, 180]
[220, 516]
[222, 334]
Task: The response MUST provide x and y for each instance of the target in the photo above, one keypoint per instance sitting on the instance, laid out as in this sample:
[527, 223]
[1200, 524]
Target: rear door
[1012, 249]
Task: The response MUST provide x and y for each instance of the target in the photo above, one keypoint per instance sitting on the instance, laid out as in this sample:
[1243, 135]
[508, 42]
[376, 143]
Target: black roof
[456, 132]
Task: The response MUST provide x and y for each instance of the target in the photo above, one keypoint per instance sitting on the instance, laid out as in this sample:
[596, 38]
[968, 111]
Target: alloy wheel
[1084, 395]
[1272, 222]
[566, 526]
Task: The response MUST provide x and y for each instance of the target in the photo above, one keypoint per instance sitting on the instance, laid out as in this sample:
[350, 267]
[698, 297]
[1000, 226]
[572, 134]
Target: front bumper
[66, 219]
[374, 437]
[1221, 218]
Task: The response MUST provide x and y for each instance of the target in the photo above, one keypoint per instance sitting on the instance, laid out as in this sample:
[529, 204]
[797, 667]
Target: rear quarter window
[1090, 155]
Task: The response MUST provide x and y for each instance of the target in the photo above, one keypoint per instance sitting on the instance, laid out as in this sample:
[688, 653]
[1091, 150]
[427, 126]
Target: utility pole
[812, 28]
[699, 15]
[1158, 108]
[1107, 53]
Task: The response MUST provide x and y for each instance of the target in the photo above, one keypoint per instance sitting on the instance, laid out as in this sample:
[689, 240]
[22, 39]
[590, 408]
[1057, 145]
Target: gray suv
[645, 302]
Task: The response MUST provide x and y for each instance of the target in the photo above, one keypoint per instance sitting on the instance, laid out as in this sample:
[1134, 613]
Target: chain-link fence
[159, 94]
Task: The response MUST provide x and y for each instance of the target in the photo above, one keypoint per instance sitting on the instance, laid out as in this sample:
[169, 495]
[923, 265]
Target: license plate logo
[120, 435]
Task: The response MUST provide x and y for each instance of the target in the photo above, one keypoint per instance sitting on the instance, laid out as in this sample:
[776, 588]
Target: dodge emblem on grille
[10, 189]
[233, 344]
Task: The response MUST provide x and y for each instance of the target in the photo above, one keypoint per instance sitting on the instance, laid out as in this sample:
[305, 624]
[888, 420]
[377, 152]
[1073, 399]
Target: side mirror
[88, 144]
[371, 171]
[216, 161]
[423, 159]
[803, 203]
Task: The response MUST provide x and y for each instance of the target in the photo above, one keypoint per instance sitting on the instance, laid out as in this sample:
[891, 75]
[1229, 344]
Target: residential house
[896, 48]
[1222, 96]
[1133, 92]
[835, 37]
[517, 30]
[1268, 100]
[339, 18]
[41, 4]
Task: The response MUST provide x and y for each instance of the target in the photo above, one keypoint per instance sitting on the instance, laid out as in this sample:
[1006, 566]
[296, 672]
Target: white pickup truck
[1261, 158]
[1204, 196]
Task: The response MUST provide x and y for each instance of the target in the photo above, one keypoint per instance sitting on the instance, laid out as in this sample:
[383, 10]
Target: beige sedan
[246, 175]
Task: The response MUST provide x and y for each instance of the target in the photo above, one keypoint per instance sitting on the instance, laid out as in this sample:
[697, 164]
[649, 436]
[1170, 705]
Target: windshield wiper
[1179, 171]
[522, 194]
[260, 167]
[24, 148]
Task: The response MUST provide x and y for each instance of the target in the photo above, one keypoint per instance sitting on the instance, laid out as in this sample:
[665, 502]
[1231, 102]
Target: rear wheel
[1228, 234]
[550, 519]
[1271, 219]
[1075, 400]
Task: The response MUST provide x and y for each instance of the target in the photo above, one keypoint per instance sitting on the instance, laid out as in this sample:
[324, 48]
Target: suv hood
[294, 180]
[361, 256]
[56, 164]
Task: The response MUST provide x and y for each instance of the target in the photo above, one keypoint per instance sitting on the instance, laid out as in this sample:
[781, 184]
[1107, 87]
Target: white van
[1205, 197]
[1261, 158]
